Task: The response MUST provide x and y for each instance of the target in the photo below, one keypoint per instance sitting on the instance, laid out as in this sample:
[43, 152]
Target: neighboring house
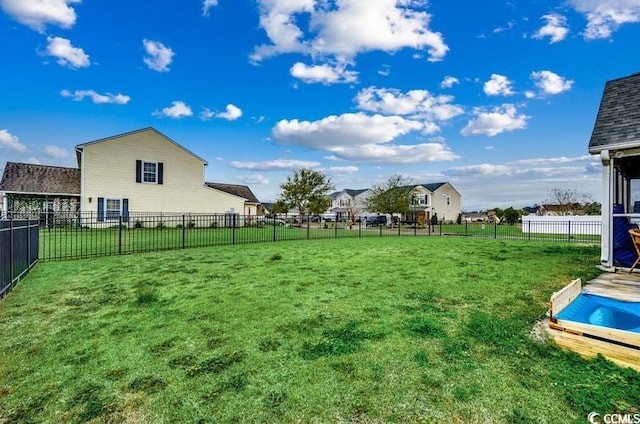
[475, 217]
[560, 210]
[348, 202]
[440, 199]
[436, 199]
[616, 138]
[139, 171]
[252, 205]
[39, 189]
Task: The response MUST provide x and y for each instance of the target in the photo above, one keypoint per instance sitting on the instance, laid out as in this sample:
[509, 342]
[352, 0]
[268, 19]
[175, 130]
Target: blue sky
[499, 98]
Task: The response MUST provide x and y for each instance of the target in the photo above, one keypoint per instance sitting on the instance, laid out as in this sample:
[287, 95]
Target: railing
[71, 236]
[19, 240]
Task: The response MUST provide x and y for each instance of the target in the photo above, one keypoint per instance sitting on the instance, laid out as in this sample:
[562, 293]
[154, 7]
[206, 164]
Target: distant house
[616, 139]
[560, 210]
[139, 171]
[436, 199]
[252, 205]
[348, 202]
[440, 199]
[34, 189]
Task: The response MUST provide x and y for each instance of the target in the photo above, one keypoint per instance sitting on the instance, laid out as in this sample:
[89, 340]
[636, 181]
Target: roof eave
[595, 150]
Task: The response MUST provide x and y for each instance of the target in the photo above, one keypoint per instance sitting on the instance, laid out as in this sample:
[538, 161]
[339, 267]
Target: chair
[635, 237]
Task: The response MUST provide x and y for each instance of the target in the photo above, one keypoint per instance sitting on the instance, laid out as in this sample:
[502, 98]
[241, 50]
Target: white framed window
[112, 209]
[150, 172]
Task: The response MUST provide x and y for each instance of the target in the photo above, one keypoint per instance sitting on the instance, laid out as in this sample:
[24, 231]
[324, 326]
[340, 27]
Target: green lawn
[392, 329]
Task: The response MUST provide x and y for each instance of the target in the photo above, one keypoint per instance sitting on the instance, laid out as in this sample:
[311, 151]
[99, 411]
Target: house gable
[150, 173]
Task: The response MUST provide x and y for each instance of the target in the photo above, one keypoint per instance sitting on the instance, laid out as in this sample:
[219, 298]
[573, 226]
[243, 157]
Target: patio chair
[635, 237]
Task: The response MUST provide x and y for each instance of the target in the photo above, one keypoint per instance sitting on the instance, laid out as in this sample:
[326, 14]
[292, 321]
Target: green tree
[510, 215]
[394, 196]
[593, 208]
[306, 190]
[279, 207]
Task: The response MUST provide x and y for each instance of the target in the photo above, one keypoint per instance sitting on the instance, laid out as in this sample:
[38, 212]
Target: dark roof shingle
[40, 179]
[236, 190]
[618, 120]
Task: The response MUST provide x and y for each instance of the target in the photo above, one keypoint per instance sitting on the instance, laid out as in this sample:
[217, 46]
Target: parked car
[374, 221]
[269, 220]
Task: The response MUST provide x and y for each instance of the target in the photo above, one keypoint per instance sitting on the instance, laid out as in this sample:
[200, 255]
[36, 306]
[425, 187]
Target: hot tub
[603, 311]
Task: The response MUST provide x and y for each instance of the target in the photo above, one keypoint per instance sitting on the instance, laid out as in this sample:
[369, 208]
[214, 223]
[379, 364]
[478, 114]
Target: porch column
[606, 245]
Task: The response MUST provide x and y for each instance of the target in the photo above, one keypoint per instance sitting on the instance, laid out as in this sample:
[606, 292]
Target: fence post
[466, 228]
[335, 226]
[183, 232]
[308, 227]
[11, 270]
[529, 235]
[120, 235]
[360, 228]
[495, 230]
[274, 225]
[233, 229]
[399, 225]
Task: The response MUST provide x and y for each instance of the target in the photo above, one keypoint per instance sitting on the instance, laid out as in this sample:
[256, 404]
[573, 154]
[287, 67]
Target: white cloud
[551, 83]
[231, 114]
[274, 165]
[360, 137]
[524, 182]
[253, 179]
[177, 110]
[34, 160]
[449, 82]
[159, 56]
[500, 119]
[606, 16]
[530, 94]
[324, 74]
[498, 85]
[11, 142]
[72, 57]
[507, 27]
[344, 29]
[208, 4]
[419, 103]
[339, 170]
[39, 13]
[346, 129]
[95, 97]
[56, 152]
[556, 28]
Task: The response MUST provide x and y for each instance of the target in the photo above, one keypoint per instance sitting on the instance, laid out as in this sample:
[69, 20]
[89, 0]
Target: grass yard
[395, 329]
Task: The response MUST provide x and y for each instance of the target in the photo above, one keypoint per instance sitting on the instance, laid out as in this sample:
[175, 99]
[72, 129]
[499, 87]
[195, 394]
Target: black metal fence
[70, 236]
[19, 242]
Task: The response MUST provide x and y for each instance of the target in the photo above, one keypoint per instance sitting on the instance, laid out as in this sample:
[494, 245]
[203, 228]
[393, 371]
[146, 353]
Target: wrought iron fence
[18, 251]
[84, 235]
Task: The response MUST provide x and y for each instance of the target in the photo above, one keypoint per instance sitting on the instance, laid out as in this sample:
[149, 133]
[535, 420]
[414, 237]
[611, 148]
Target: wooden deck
[620, 347]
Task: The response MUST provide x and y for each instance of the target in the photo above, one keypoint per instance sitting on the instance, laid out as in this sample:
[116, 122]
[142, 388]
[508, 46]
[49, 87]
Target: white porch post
[606, 246]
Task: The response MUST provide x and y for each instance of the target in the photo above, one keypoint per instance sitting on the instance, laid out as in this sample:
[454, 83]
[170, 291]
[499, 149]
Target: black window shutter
[100, 208]
[160, 169]
[125, 210]
[138, 171]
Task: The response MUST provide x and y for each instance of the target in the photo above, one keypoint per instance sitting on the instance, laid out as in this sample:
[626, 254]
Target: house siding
[109, 171]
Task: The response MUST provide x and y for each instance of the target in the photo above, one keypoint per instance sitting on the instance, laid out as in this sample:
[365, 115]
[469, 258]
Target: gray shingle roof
[432, 186]
[235, 189]
[40, 179]
[618, 122]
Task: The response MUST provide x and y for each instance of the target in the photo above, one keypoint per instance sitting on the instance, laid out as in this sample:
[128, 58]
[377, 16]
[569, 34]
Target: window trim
[106, 214]
[143, 172]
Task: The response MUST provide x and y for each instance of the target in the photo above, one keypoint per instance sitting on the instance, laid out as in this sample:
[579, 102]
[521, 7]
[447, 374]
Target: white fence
[570, 225]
